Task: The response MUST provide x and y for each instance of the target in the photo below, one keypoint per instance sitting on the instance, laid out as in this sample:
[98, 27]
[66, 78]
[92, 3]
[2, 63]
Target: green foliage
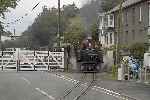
[70, 10]
[114, 71]
[109, 4]
[43, 32]
[137, 50]
[74, 31]
[94, 30]
[4, 5]
[44, 29]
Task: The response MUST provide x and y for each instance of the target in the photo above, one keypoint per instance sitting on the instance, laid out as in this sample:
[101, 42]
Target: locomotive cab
[90, 60]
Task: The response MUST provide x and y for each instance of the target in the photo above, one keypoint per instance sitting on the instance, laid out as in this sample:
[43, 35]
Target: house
[106, 29]
[107, 37]
[135, 24]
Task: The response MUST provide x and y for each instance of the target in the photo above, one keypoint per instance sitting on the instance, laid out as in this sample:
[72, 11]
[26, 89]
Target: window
[111, 20]
[106, 21]
[133, 34]
[105, 38]
[140, 15]
[100, 19]
[101, 22]
[126, 18]
[133, 16]
[111, 38]
[126, 37]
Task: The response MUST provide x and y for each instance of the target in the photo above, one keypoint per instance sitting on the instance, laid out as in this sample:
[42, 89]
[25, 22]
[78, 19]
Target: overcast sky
[25, 6]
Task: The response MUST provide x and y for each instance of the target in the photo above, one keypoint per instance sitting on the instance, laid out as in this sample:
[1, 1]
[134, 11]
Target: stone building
[135, 24]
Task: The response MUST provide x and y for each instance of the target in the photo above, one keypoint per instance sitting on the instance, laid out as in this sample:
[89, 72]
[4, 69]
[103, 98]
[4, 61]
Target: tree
[137, 50]
[108, 4]
[44, 29]
[43, 32]
[4, 5]
[74, 32]
[70, 10]
[95, 32]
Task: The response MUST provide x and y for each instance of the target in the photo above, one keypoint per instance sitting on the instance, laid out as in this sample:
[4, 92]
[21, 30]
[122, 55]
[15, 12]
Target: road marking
[97, 88]
[44, 93]
[26, 80]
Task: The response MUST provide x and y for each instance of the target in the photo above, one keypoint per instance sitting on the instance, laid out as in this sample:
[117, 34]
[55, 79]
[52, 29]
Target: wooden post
[18, 60]
[48, 61]
[34, 60]
[58, 32]
[2, 60]
[145, 72]
[119, 31]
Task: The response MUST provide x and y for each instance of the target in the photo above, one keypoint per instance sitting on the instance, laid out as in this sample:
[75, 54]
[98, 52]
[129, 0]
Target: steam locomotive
[89, 59]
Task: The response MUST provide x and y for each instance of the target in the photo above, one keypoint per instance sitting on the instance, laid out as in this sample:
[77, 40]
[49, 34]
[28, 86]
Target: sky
[25, 6]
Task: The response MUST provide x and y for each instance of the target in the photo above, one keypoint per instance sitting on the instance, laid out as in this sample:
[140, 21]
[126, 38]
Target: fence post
[17, 65]
[63, 59]
[128, 73]
[140, 76]
[2, 60]
[48, 61]
[18, 59]
[145, 73]
[34, 60]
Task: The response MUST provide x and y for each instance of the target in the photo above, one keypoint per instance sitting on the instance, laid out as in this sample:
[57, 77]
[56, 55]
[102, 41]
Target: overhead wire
[22, 17]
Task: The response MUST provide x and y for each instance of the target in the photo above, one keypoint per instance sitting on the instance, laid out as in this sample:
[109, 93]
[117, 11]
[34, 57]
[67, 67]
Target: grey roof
[127, 3]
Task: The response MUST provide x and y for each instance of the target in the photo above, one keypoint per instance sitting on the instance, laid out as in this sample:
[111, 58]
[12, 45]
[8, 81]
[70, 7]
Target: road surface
[43, 86]
[52, 86]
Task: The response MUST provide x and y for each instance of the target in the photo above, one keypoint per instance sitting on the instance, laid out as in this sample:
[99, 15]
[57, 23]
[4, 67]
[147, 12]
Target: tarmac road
[44, 86]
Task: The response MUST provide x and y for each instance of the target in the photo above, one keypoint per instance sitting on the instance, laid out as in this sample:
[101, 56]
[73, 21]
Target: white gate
[33, 60]
[7, 60]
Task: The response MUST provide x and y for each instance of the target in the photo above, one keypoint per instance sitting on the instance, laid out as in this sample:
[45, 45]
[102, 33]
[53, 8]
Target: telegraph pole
[1, 47]
[119, 31]
[1, 30]
[58, 31]
[13, 36]
[148, 35]
[0, 39]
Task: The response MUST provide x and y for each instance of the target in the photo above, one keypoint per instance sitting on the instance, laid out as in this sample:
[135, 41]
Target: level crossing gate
[17, 59]
[8, 60]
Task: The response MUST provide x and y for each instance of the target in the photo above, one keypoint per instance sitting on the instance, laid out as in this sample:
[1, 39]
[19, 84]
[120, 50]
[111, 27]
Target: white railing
[32, 60]
[7, 60]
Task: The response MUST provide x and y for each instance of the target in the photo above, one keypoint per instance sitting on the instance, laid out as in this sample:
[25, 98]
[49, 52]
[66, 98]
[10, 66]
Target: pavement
[42, 85]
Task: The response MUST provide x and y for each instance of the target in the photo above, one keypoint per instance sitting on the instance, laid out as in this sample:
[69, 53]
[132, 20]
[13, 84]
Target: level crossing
[21, 59]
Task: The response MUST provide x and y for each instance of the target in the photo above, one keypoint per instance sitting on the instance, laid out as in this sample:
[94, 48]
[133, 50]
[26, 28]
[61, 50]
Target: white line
[100, 89]
[44, 93]
[28, 82]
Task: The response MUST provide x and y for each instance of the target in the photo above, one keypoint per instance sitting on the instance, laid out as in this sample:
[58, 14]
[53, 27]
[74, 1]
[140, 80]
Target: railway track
[91, 85]
[88, 88]
[77, 85]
